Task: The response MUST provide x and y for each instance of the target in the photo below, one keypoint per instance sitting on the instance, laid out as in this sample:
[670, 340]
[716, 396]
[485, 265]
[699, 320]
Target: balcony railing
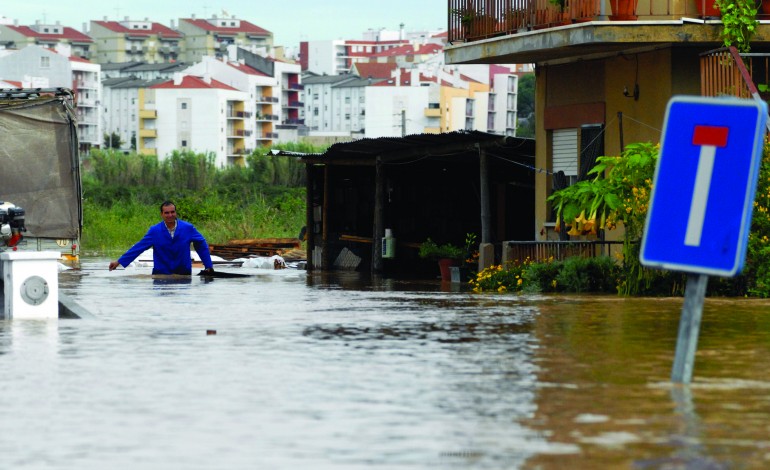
[473, 20]
[540, 251]
[725, 72]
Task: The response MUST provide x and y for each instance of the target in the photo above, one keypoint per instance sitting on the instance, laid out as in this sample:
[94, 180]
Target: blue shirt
[170, 255]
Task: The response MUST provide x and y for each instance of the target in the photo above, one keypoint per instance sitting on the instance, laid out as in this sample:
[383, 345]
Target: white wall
[383, 110]
[203, 124]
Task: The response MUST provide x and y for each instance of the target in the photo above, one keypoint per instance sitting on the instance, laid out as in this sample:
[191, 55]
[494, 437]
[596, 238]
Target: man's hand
[208, 271]
[113, 265]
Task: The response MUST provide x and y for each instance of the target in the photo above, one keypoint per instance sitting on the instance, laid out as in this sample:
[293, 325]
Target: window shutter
[565, 151]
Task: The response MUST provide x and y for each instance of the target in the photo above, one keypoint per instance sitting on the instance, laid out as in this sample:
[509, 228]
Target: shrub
[542, 277]
[579, 274]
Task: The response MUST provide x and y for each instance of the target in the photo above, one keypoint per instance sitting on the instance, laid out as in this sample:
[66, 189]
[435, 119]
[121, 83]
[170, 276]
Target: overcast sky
[290, 21]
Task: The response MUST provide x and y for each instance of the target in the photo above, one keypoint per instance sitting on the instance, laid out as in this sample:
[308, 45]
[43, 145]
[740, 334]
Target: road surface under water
[286, 370]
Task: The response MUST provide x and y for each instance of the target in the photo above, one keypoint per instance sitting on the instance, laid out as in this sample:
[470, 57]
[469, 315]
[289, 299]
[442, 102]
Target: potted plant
[473, 21]
[562, 16]
[446, 255]
[624, 10]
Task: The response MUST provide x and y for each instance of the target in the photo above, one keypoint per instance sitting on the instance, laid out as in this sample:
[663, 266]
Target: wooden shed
[438, 186]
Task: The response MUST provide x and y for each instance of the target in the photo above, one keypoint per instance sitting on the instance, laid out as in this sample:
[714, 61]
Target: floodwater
[286, 370]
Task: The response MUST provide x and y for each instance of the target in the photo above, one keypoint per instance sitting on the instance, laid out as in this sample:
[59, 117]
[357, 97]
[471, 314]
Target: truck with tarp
[40, 186]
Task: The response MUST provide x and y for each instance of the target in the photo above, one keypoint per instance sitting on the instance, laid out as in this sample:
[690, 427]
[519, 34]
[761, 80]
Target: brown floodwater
[285, 369]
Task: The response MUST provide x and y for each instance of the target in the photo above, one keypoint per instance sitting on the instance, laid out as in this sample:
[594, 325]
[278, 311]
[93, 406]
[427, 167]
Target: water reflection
[347, 371]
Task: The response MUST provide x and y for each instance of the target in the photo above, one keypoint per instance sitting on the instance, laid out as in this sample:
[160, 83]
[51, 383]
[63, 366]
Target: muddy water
[285, 370]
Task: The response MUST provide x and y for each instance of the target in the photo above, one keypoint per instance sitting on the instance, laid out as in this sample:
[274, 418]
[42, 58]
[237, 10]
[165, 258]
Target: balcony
[725, 72]
[432, 112]
[537, 31]
[148, 114]
[148, 133]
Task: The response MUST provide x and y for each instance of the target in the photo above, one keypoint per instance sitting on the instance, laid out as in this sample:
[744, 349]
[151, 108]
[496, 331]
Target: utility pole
[403, 123]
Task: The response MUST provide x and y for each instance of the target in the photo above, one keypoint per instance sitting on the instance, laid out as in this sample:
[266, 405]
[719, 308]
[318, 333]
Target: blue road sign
[703, 192]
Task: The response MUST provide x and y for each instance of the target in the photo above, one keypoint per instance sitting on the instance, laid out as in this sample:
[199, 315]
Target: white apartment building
[274, 107]
[337, 57]
[335, 105]
[39, 67]
[199, 114]
[121, 104]
[394, 111]
[503, 104]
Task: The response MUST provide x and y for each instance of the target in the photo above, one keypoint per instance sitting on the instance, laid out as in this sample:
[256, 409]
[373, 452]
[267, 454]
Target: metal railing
[473, 20]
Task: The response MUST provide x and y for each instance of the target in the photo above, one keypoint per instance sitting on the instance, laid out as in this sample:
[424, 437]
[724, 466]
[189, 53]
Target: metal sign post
[700, 207]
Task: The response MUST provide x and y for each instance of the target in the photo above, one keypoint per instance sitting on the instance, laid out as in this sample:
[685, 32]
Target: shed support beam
[378, 228]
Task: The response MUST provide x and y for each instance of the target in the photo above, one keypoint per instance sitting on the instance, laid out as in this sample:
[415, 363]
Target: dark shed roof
[393, 149]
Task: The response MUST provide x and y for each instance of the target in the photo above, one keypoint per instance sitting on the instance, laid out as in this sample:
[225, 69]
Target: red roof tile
[246, 69]
[190, 81]
[68, 33]
[375, 69]
[155, 29]
[409, 49]
[245, 27]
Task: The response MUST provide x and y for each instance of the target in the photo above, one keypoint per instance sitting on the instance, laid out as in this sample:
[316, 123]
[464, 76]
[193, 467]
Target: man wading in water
[170, 242]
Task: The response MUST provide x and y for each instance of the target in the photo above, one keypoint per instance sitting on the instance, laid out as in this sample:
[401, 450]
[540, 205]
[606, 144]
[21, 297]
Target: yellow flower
[501, 289]
[519, 281]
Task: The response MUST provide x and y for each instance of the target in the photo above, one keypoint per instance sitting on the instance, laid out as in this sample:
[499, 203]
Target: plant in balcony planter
[739, 22]
[562, 13]
[624, 10]
[473, 20]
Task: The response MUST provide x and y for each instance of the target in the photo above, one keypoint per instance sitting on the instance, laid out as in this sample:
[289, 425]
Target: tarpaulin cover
[39, 167]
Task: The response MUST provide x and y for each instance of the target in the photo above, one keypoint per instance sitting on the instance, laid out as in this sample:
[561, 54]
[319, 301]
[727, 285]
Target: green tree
[112, 141]
[526, 106]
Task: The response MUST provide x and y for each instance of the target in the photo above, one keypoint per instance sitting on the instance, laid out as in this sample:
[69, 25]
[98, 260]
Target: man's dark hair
[166, 203]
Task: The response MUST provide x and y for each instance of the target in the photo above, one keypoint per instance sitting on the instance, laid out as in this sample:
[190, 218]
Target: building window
[565, 153]
[184, 105]
[45, 62]
[184, 143]
[347, 117]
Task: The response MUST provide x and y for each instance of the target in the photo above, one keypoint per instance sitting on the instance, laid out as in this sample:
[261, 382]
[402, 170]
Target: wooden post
[378, 226]
[324, 222]
[486, 217]
[309, 222]
[689, 327]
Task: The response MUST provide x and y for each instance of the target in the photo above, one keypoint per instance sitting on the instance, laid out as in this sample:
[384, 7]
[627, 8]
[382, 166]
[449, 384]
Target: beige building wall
[569, 95]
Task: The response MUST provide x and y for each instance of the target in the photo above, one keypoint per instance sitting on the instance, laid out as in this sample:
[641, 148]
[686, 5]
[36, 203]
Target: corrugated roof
[446, 145]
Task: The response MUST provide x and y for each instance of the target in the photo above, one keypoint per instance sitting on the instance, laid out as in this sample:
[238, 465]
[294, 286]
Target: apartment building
[123, 113]
[337, 57]
[40, 67]
[198, 114]
[335, 105]
[210, 37]
[132, 40]
[14, 36]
